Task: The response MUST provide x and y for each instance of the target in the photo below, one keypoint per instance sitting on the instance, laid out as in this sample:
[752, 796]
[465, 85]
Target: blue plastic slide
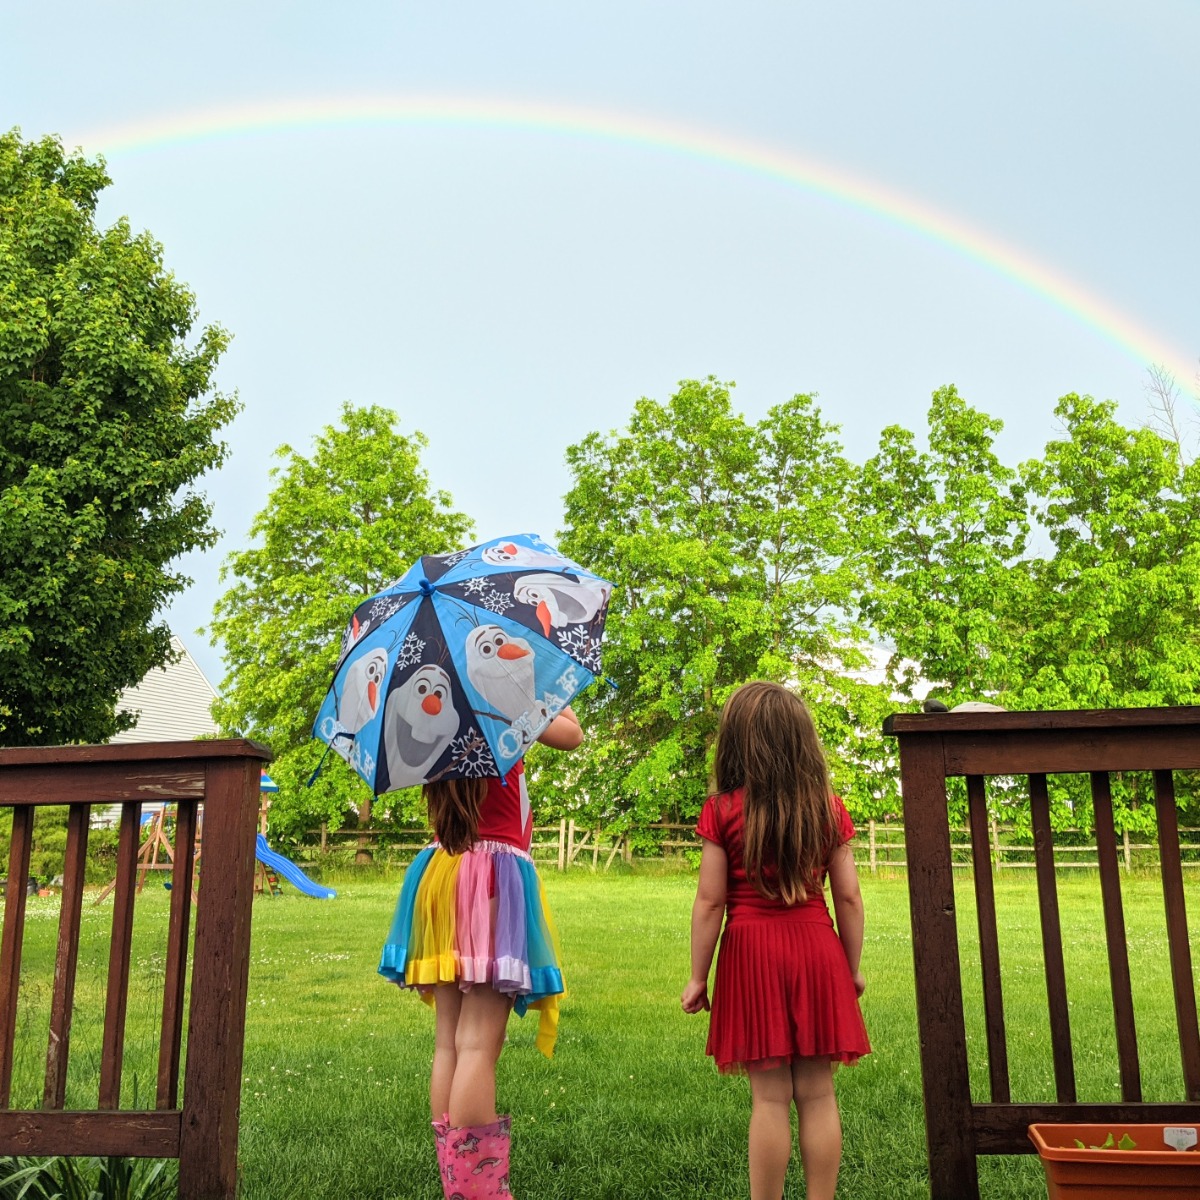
[286, 869]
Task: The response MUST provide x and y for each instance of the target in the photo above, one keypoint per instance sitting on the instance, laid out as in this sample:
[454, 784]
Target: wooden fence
[202, 1132]
[566, 843]
[936, 746]
[880, 847]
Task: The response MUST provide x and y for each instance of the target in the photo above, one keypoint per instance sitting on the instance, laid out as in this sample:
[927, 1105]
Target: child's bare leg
[770, 1131]
[820, 1125]
[478, 1039]
[447, 1000]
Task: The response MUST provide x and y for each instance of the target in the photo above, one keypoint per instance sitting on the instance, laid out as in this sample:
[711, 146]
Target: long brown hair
[453, 806]
[767, 744]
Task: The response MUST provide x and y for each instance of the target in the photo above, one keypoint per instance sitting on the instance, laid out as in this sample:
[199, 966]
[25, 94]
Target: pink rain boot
[441, 1135]
[477, 1161]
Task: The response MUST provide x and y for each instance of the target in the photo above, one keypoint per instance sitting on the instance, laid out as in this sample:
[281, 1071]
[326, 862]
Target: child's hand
[695, 996]
[860, 983]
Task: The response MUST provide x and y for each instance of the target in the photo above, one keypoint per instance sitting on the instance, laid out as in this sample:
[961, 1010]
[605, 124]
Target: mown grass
[336, 1061]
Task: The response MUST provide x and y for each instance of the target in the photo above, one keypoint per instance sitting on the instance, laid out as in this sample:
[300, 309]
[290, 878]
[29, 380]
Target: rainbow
[866, 196]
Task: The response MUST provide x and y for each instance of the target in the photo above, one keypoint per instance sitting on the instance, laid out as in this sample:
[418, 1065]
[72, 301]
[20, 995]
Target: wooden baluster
[120, 945]
[62, 1003]
[14, 932]
[175, 982]
[1177, 931]
[1114, 932]
[989, 945]
[1052, 952]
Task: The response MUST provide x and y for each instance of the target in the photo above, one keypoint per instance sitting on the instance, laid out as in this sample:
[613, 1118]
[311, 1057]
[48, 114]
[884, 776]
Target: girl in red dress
[785, 999]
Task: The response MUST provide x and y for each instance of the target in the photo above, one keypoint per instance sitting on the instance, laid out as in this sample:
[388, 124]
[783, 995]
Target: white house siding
[174, 704]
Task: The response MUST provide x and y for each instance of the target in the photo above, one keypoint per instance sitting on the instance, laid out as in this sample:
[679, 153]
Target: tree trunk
[363, 854]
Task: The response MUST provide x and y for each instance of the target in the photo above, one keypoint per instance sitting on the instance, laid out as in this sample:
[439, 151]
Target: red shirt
[506, 815]
[723, 821]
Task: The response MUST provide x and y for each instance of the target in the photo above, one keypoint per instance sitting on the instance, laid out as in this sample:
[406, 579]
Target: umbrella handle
[313, 777]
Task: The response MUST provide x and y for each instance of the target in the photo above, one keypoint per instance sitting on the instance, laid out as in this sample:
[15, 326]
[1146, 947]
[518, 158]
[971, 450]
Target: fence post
[1128, 855]
[562, 843]
[871, 842]
[996, 842]
[570, 841]
[324, 837]
[595, 849]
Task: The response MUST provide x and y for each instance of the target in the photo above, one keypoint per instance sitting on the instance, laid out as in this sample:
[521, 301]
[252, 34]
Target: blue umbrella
[454, 670]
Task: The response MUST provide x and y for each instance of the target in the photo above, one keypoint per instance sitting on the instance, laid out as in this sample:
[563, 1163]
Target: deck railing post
[217, 1021]
[949, 1130]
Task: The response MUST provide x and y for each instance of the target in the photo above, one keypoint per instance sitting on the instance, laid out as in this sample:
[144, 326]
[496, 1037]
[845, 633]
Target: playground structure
[273, 866]
[158, 854]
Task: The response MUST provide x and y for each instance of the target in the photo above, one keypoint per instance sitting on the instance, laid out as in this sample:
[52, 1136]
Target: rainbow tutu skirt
[477, 918]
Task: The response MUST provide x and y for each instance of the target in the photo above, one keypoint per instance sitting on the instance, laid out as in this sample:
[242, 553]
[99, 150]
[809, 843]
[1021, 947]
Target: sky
[508, 222]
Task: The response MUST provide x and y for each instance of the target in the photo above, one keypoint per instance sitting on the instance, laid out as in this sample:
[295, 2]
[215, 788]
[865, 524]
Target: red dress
[783, 988]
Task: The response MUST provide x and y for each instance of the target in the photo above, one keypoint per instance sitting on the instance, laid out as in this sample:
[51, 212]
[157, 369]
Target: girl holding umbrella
[475, 935]
[445, 680]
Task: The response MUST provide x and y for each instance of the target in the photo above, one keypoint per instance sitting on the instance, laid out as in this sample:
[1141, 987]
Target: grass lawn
[336, 1065]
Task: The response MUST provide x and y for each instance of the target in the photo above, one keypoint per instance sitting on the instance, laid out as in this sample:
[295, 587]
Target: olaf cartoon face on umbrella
[509, 554]
[362, 690]
[560, 601]
[500, 668]
[419, 722]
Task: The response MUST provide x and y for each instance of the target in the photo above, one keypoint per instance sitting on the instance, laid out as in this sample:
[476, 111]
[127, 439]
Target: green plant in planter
[112, 1178]
[1126, 1143]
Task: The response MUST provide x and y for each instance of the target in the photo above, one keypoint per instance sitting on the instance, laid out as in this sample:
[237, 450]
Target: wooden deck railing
[977, 745]
[223, 776]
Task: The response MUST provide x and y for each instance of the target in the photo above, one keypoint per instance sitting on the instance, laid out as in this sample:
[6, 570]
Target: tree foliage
[741, 550]
[728, 545]
[942, 530]
[107, 420]
[1110, 616]
[339, 525]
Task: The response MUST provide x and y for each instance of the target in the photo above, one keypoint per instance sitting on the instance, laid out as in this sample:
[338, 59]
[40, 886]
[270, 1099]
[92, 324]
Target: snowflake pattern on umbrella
[470, 754]
[496, 602]
[581, 646]
[384, 607]
[410, 651]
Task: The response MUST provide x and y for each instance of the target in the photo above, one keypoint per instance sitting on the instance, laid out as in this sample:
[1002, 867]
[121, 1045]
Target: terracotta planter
[1153, 1169]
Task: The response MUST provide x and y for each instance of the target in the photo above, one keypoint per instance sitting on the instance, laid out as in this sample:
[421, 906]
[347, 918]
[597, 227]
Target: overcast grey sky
[507, 285]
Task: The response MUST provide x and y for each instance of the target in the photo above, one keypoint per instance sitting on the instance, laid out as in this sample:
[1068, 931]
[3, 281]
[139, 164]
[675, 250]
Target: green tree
[1111, 613]
[727, 543]
[107, 420]
[942, 530]
[339, 525]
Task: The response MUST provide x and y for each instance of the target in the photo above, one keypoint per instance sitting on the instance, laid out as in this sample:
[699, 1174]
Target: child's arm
[707, 912]
[848, 907]
[564, 732]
